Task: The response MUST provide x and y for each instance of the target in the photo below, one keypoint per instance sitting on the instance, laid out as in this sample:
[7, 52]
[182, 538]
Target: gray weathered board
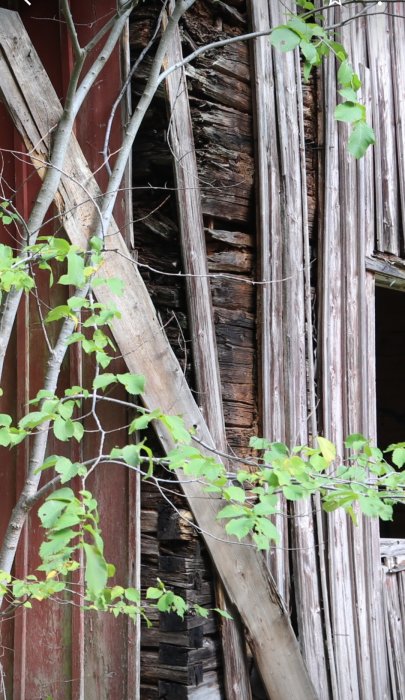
[201, 318]
[35, 109]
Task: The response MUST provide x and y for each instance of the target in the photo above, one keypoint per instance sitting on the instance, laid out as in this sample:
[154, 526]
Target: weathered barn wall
[42, 650]
[324, 216]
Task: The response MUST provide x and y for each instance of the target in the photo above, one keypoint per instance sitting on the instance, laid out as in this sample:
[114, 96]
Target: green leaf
[355, 441]
[284, 39]
[259, 443]
[75, 338]
[104, 380]
[154, 593]
[63, 429]
[142, 422]
[398, 457]
[261, 541]
[360, 139]
[374, 507]
[5, 437]
[338, 50]
[102, 359]
[345, 74]
[5, 420]
[301, 28]
[33, 419]
[76, 303]
[294, 493]
[327, 448]
[310, 53]
[78, 430]
[130, 454]
[134, 383]
[235, 493]
[350, 112]
[133, 595]
[349, 94]
[240, 527]
[264, 526]
[75, 272]
[115, 284]
[50, 511]
[232, 511]
[200, 611]
[57, 313]
[96, 572]
[177, 429]
[65, 409]
[68, 469]
[223, 613]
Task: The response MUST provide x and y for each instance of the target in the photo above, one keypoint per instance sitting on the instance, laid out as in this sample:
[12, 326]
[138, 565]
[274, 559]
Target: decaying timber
[317, 233]
[146, 350]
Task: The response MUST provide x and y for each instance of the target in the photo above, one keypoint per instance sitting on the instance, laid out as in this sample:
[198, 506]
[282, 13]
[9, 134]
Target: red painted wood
[8, 404]
[52, 650]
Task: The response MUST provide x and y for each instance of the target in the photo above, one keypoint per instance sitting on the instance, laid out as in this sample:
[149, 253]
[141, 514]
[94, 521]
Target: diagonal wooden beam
[35, 109]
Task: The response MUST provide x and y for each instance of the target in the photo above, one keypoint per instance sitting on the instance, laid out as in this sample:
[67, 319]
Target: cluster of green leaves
[365, 480]
[17, 268]
[315, 43]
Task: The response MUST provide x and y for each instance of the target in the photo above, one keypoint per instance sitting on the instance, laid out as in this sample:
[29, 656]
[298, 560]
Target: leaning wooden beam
[205, 354]
[35, 109]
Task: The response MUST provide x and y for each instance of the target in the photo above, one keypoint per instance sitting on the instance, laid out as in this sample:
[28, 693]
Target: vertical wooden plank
[359, 236]
[394, 590]
[111, 659]
[281, 190]
[287, 96]
[205, 355]
[270, 269]
[386, 172]
[39, 667]
[354, 349]
[397, 43]
[8, 404]
[331, 313]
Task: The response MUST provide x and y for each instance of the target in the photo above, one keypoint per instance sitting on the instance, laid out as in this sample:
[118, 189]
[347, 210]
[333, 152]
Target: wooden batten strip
[201, 319]
[306, 576]
[270, 268]
[330, 292]
[281, 306]
[385, 149]
[146, 350]
[397, 43]
[354, 349]
[394, 589]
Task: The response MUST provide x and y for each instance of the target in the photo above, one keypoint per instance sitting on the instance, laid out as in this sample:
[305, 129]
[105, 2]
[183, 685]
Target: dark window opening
[390, 375]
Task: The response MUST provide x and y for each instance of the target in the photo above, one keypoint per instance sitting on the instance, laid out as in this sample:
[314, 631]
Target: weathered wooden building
[276, 265]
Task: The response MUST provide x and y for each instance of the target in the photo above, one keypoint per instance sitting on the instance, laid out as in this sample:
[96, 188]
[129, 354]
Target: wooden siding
[245, 215]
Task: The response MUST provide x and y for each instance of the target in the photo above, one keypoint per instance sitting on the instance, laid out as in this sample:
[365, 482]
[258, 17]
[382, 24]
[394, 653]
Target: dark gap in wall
[390, 375]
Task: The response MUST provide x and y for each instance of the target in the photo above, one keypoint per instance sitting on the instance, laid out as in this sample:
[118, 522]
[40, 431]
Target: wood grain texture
[205, 354]
[269, 243]
[332, 421]
[143, 345]
[387, 238]
[280, 221]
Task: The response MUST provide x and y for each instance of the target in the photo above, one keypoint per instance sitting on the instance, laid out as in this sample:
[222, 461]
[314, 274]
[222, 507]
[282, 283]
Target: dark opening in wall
[390, 369]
